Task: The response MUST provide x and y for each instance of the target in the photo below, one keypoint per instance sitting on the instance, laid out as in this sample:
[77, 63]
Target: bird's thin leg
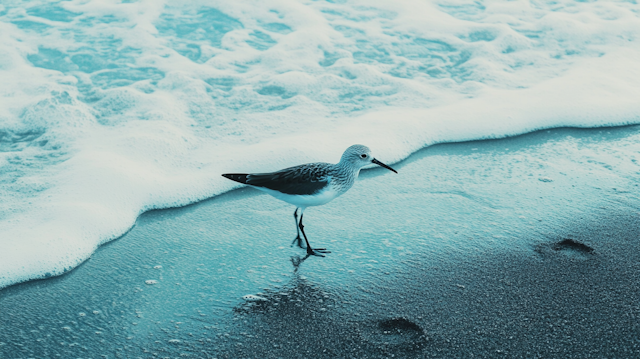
[311, 251]
[298, 239]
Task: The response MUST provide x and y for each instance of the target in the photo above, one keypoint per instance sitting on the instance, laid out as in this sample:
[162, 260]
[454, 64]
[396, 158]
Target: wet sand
[522, 247]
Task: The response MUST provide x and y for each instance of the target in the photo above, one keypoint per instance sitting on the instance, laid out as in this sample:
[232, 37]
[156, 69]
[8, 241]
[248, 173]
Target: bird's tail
[238, 177]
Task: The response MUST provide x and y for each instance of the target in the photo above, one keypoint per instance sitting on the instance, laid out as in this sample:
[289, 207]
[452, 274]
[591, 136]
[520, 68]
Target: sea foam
[110, 109]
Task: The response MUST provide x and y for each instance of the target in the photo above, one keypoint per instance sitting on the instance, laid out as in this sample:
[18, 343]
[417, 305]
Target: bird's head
[360, 156]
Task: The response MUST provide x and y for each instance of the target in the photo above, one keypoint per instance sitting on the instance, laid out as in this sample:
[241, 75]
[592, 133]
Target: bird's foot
[316, 252]
[298, 240]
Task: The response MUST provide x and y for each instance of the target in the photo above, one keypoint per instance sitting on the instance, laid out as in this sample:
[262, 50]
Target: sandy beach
[525, 247]
[510, 229]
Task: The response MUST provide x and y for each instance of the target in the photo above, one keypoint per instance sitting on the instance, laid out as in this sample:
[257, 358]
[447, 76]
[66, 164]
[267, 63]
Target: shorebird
[311, 184]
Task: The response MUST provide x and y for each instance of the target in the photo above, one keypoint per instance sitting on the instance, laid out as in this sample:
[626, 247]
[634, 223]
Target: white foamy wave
[110, 109]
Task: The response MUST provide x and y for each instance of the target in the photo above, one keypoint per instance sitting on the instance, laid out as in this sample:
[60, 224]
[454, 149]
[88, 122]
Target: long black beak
[383, 165]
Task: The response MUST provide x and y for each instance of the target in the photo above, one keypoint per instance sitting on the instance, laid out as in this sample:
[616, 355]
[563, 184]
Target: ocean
[109, 109]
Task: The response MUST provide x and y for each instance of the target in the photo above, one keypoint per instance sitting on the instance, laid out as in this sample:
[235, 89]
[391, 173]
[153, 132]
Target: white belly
[318, 199]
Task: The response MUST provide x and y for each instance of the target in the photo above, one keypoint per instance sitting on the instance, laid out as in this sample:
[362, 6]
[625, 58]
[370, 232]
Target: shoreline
[416, 153]
[482, 219]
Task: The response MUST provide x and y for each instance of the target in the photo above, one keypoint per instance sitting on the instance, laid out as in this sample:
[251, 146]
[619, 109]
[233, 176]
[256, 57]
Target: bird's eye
[363, 156]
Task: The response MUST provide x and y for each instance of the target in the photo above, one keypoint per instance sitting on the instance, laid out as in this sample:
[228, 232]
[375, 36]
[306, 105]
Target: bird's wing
[299, 180]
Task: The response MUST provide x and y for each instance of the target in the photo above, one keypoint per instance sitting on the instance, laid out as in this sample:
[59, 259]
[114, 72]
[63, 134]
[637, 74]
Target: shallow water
[464, 252]
[110, 109]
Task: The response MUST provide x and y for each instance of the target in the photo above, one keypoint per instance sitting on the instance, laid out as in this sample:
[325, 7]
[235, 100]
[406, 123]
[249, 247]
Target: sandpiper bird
[311, 184]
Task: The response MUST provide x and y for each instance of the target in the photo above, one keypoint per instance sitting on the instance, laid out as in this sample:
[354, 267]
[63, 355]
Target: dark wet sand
[563, 303]
[482, 249]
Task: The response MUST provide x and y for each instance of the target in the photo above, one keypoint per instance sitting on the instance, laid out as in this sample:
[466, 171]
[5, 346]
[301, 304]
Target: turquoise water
[110, 109]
